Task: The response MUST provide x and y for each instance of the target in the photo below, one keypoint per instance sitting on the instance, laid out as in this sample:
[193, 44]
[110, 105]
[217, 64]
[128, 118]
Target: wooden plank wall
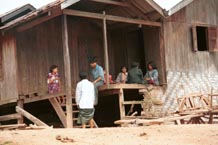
[44, 48]
[8, 84]
[85, 42]
[126, 46]
[39, 48]
[178, 38]
[153, 50]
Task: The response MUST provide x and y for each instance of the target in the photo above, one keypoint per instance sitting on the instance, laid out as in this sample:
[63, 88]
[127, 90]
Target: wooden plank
[43, 97]
[30, 116]
[50, 14]
[110, 18]
[123, 86]
[20, 103]
[212, 33]
[12, 126]
[112, 2]
[194, 38]
[139, 121]
[174, 118]
[122, 107]
[106, 59]
[67, 71]
[3, 102]
[133, 102]
[10, 117]
[58, 110]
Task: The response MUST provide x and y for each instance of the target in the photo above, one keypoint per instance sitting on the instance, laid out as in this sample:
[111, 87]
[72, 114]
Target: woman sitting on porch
[151, 77]
[122, 76]
[54, 83]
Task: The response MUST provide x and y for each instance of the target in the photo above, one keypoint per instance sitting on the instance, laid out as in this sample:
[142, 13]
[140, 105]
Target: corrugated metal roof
[144, 9]
[16, 13]
[31, 15]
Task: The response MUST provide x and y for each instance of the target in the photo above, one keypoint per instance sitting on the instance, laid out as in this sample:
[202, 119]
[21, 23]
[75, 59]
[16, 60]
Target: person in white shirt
[85, 98]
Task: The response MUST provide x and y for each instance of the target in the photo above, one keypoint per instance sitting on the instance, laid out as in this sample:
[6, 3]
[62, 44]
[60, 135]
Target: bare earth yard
[151, 135]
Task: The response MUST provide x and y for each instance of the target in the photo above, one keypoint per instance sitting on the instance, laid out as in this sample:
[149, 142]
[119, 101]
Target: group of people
[87, 91]
[135, 75]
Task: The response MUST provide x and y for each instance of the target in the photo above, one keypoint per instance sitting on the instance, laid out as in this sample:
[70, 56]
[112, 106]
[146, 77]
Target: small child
[54, 83]
[110, 78]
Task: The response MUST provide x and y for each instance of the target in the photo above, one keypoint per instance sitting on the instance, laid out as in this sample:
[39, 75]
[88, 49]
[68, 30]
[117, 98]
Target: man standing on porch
[85, 98]
[98, 76]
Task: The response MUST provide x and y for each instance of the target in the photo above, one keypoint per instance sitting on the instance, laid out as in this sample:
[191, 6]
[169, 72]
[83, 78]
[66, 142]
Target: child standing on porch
[54, 83]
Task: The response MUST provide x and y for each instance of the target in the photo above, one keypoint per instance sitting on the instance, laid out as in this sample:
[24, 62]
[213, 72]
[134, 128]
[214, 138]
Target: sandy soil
[152, 135]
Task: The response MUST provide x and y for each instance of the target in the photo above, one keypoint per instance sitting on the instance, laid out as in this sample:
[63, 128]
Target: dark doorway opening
[202, 38]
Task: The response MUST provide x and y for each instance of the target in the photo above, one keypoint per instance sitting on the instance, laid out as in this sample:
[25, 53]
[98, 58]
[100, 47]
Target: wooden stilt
[67, 71]
[20, 103]
[58, 110]
[122, 107]
[211, 118]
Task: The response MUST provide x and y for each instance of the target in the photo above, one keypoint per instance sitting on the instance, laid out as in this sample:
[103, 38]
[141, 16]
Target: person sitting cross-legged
[85, 98]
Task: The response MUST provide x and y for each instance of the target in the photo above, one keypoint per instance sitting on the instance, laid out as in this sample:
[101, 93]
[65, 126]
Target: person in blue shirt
[97, 75]
[151, 77]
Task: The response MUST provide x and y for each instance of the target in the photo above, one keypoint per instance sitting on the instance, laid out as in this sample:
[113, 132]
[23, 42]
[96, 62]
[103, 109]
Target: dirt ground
[150, 135]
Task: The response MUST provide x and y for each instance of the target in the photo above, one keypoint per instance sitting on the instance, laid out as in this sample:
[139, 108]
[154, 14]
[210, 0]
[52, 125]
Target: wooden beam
[43, 97]
[106, 60]
[49, 15]
[12, 126]
[112, 2]
[3, 102]
[20, 103]
[67, 71]
[133, 102]
[10, 117]
[58, 110]
[30, 116]
[123, 86]
[111, 18]
[139, 121]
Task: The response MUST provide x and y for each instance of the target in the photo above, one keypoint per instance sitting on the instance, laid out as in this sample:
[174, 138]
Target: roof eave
[179, 6]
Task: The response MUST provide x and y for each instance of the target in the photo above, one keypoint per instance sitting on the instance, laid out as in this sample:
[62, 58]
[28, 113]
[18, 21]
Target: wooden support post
[121, 101]
[67, 71]
[30, 116]
[58, 110]
[210, 118]
[106, 50]
[20, 103]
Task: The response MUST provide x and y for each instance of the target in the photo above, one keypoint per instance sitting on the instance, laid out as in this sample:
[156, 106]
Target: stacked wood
[159, 121]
